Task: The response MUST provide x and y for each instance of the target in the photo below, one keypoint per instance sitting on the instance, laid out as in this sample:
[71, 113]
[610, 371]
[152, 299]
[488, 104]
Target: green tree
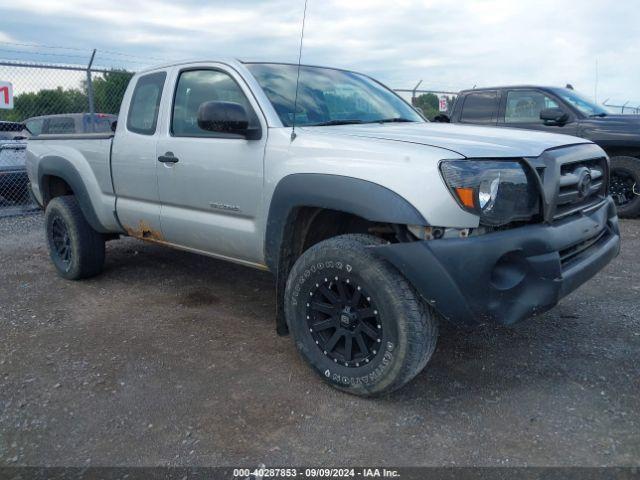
[429, 103]
[108, 90]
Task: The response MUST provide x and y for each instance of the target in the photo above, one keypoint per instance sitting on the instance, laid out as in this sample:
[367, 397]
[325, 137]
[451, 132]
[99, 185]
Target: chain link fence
[625, 109]
[430, 102]
[14, 192]
[51, 99]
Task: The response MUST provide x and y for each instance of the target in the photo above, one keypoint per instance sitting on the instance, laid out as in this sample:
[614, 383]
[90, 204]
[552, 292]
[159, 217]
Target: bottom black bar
[320, 473]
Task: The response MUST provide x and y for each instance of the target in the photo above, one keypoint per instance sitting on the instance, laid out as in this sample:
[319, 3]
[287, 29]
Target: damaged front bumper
[507, 276]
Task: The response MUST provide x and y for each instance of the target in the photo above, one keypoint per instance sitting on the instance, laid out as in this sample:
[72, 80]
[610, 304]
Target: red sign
[442, 104]
[6, 95]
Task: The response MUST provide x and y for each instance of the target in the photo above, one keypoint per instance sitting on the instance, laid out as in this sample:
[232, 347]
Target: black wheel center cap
[347, 318]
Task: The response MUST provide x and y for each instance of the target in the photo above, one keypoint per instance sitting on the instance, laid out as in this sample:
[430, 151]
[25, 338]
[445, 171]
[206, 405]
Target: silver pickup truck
[376, 224]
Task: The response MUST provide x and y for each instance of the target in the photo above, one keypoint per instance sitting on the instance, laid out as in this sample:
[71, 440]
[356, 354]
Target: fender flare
[366, 199]
[61, 167]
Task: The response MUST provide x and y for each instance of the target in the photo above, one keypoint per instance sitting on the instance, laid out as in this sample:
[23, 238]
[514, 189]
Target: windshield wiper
[336, 122]
[393, 120]
[601, 114]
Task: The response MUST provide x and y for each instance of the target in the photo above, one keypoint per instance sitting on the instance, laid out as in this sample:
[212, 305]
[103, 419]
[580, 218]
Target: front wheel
[355, 319]
[624, 185]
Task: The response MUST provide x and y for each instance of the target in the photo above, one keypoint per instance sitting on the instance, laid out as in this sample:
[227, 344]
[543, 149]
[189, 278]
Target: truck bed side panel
[83, 157]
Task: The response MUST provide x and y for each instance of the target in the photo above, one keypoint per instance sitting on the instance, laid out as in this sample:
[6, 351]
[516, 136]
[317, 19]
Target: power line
[45, 46]
[45, 54]
[53, 47]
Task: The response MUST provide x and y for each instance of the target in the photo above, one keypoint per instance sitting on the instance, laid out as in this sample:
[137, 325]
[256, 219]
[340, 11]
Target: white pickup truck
[375, 223]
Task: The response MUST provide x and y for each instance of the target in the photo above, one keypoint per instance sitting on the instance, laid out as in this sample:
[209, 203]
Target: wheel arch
[57, 176]
[299, 197]
[349, 195]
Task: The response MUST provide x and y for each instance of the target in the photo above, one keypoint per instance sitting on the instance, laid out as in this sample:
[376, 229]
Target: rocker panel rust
[144, 232]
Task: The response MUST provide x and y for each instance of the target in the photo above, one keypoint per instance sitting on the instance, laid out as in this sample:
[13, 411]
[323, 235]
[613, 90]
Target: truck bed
[88, 156]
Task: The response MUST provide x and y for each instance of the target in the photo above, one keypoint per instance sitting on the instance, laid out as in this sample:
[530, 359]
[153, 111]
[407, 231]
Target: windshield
[582, 103]
[329, 97]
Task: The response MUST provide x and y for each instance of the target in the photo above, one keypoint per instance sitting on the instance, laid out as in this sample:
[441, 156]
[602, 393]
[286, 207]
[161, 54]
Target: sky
[449, 45]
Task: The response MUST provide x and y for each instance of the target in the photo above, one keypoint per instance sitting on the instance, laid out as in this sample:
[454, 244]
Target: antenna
[595, 88]
[295, 101]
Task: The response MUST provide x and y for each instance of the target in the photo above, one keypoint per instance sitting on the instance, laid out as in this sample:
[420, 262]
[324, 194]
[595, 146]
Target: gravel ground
[169, 358]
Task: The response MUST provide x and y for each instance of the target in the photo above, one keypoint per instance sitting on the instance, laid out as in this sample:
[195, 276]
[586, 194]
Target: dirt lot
[171, 358]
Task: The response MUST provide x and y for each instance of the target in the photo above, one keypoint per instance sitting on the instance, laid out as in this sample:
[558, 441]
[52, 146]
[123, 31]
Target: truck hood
[468, 141]
[621, 119]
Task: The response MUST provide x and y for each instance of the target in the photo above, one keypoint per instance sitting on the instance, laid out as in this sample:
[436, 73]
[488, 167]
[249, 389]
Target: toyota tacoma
[376, 224]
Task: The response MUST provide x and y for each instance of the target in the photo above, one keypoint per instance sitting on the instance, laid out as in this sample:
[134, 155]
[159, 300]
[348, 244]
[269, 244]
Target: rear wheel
[624, 185]
[355, 319]
[76, 250]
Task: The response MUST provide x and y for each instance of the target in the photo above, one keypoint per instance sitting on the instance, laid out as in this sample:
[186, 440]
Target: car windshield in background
[583, 104]
[329, 97]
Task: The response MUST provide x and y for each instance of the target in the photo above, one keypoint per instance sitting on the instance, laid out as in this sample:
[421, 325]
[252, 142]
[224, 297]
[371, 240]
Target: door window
[196, 87]
[480, 107]
[145, 104]
[524, 106]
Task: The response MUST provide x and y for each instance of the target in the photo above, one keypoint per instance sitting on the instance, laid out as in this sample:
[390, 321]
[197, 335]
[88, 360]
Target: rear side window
[145, 103]
[35, 126]
[480, 107]
[60, 125]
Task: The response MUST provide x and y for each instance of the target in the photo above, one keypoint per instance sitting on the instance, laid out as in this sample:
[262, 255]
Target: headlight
[500, 192]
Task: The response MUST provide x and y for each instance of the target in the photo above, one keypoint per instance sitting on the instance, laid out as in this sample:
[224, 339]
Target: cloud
[5, 37]
[449, 45]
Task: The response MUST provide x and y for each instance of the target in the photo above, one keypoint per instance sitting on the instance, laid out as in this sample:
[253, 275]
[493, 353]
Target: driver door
[211, 189]
[521, 109]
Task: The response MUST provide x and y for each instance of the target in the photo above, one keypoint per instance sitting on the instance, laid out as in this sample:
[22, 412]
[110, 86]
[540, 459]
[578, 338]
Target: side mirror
[226, 117]
[553, 116]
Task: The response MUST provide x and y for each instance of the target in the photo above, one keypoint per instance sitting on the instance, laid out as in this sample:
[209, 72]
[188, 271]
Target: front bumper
[507, 276]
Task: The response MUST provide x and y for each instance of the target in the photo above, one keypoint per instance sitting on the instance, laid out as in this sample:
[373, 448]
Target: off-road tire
[629, 166]
[408, 326]
[65, 224]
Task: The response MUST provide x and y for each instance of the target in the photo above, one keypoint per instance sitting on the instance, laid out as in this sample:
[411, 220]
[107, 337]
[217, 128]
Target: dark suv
[562, 110]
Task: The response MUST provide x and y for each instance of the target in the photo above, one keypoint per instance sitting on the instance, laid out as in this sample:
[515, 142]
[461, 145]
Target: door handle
[168, 157]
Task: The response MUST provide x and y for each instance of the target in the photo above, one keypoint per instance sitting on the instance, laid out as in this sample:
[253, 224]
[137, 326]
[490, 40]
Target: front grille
[582, 184]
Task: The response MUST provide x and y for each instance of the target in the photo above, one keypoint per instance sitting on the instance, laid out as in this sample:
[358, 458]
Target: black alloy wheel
[623, 187]
[343, 321]
[76, 250]
[61, 242]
